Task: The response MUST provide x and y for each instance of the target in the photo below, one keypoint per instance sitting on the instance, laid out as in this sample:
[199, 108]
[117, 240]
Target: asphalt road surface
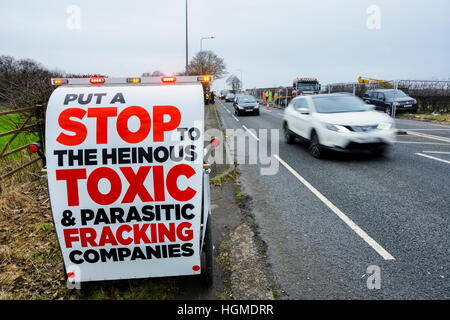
[332, 226]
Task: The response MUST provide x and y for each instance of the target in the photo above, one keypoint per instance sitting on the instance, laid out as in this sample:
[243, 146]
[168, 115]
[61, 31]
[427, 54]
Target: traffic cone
[268, 108]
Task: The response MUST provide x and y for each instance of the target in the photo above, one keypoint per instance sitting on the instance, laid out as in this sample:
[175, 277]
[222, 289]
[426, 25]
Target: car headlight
[336, 127]
[257, 106]
[384, 126]
[395, 104]
[240, 107]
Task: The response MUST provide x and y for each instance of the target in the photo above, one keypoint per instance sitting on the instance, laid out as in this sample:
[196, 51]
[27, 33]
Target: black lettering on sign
[118, 98]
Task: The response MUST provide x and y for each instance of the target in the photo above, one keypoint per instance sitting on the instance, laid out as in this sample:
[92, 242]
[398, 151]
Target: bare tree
[234, 82]
[207, 62]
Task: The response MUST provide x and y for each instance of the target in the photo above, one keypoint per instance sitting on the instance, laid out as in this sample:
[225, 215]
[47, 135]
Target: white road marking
[434, 158]
[371, 242]
[420, 142]
[429, 136]
[251, 133]
[439, 152]
[417, 129]
[235, 117]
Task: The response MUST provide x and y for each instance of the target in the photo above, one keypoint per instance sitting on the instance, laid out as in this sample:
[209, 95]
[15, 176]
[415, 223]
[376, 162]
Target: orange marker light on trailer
[134, 80]
[97, 80]
[60, 81]
[168, 79]
[204, 78]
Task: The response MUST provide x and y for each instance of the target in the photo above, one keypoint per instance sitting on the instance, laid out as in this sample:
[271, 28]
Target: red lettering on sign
[114, 180]
[122, 124]
[76, 127]
[71, 176]
[70, 235]
[158, 121]
[136, 185]
[136, 182]
[120, 230]
[172, 185]
[102, 115]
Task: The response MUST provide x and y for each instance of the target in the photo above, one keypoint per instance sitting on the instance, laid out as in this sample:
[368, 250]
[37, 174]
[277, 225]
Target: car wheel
[388, 110]
[314, 146]
[288, 138]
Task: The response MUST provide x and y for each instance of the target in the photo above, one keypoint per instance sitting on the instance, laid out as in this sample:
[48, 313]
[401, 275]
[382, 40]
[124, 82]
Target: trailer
[128, 188]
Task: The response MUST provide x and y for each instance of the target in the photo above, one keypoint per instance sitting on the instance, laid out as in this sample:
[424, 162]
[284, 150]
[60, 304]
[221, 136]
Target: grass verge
[441, 118]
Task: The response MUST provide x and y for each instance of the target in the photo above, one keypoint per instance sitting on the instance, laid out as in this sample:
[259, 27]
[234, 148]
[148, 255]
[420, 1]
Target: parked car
[229, 97]
[246, 105]
[340, 122]
[386, 99]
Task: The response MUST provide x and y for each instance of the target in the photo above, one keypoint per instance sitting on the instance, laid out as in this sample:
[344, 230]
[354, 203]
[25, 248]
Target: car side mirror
[303, 110]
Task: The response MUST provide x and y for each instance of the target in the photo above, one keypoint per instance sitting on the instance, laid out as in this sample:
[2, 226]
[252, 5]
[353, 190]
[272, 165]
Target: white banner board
[125, 170]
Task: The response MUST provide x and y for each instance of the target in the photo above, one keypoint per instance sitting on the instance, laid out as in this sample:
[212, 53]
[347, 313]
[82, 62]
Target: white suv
[339, 122]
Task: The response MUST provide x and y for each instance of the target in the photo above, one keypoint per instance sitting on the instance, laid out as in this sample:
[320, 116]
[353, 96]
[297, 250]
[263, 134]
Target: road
[328, 224]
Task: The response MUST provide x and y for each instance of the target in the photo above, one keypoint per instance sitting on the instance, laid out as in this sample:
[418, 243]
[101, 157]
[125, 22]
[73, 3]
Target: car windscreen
[396, 94]
[246, 100]
[336, 104]
[305, 86]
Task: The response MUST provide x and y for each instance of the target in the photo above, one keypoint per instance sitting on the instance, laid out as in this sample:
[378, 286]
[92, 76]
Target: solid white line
[235, 117]
[439, 152]
[371, 242]
[417, 129]
[419, 142]
[429, 136]
[251, 133]
[434, 158]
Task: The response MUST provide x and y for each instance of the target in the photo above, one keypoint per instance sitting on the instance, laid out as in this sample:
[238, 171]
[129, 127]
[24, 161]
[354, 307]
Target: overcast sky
[272, 42]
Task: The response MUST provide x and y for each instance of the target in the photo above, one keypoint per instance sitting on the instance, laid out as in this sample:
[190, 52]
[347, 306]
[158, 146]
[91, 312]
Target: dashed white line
[235, 117]
[434, 158]
[371, 242]
[251, 133]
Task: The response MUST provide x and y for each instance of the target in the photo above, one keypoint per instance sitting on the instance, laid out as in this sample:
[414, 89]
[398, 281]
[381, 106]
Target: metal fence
[432, 96]
[31, 122]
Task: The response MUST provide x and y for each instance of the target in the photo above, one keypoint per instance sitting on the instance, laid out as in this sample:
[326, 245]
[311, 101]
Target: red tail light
[168, 79]
[97, 80]
[33, 147]
[215, 142]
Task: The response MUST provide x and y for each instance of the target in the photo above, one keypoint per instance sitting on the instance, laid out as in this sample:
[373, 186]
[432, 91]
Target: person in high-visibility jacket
[264, 96]
[270, 96]
[206, 98]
